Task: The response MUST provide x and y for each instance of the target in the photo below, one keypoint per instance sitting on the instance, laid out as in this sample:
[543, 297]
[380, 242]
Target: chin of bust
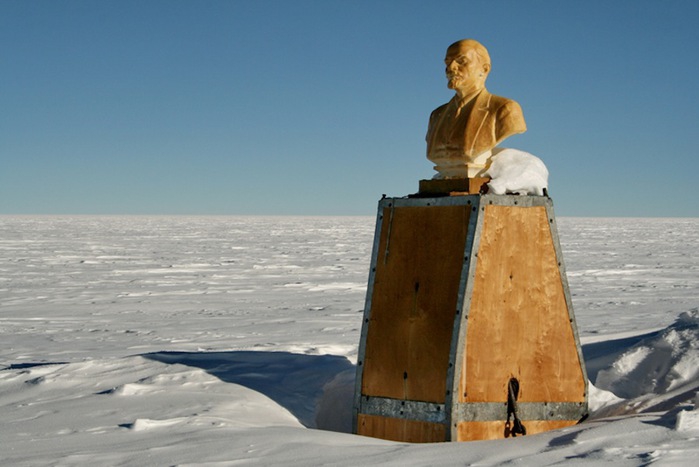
[468, 89]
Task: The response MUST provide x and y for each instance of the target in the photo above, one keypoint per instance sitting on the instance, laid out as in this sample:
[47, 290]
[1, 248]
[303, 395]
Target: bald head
[467, 66]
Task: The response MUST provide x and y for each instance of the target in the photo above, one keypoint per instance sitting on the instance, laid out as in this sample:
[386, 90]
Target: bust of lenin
[462, 133]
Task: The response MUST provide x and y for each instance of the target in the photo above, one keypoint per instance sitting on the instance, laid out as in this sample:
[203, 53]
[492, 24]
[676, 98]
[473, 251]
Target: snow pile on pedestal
[516, 172]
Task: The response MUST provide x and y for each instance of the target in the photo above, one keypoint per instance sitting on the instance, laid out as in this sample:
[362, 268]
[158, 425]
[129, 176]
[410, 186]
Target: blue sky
[320, 107]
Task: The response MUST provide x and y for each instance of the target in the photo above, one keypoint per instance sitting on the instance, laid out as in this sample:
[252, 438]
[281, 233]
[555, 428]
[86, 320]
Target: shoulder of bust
[440, 109]
[495, 101]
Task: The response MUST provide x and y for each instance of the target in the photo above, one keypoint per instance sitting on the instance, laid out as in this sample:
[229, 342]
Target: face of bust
[465, 71]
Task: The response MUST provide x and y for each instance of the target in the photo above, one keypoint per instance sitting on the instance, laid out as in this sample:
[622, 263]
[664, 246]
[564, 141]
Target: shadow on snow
[316, 389]
[600, 355]
[319, 389]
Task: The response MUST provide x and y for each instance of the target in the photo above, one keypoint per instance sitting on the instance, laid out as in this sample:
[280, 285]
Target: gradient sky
[320, 107]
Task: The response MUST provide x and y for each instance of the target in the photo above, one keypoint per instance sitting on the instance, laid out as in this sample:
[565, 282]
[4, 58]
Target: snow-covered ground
[232, 340]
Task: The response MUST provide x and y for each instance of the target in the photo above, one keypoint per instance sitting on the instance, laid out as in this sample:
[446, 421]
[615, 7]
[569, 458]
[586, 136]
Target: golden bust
[462, 133]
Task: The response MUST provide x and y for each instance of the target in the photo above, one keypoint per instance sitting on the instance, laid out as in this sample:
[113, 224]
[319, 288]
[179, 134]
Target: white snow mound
[688, 420]
[515, 171]
[658, 364]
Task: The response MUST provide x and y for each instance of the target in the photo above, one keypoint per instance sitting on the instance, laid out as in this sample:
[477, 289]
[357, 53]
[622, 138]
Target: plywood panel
[396, 429]
[472, 431]
[518, 323]
[414, 300]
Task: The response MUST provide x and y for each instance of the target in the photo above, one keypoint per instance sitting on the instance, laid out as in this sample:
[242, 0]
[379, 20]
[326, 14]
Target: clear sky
[320, 107]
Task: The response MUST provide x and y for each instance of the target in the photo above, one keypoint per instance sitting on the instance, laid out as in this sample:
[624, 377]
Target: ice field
[232, 340]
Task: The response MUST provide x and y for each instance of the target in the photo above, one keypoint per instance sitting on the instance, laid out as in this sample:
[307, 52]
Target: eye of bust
[461, 60]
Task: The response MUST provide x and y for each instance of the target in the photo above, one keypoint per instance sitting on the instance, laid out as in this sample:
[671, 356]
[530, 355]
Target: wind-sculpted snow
[175, 340]
[658, 364]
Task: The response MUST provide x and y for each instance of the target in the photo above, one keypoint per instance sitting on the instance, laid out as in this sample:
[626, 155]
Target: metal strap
[469, 411]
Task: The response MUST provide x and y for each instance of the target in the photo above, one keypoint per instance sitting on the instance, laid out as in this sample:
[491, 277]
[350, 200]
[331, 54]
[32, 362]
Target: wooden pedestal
[466, 294]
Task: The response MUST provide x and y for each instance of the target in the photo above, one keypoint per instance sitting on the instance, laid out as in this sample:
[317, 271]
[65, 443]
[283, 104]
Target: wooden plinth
[466, 293]
[457, 186]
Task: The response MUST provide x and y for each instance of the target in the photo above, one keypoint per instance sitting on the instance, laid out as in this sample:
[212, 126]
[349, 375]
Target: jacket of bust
[480, 125]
